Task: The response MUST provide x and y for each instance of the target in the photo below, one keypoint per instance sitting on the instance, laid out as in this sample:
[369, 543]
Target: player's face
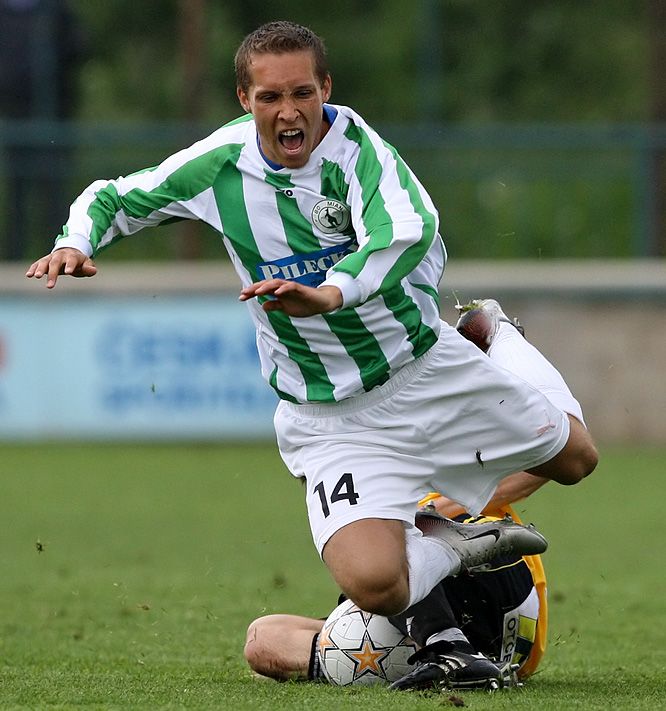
[285, 97]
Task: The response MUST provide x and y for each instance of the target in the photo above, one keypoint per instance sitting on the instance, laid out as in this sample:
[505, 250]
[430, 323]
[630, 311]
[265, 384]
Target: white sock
[452, 634]
[429, 562]
[513, 352]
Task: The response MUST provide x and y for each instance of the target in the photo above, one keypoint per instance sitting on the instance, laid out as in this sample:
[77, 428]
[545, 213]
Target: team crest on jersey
[331, 216]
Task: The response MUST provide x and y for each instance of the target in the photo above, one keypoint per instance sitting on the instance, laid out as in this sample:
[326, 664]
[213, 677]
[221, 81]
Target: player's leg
[502, 614]
[368, 560]
[498, 613]
[485, 324]
[574, 461]
[447, 659]
[426, 621]
[387, 567]
[281, 646]
[360, 496]
[446, 656]
[365, 464]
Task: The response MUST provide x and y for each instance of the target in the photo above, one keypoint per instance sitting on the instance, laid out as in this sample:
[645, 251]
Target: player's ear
[326, 87]
[244, 101]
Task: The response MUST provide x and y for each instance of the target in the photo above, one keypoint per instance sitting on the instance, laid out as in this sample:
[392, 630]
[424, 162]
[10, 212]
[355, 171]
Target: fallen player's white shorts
[452, 421]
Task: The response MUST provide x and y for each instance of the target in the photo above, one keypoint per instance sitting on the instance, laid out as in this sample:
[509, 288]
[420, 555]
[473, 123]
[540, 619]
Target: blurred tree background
[536, 125]
[396, 60]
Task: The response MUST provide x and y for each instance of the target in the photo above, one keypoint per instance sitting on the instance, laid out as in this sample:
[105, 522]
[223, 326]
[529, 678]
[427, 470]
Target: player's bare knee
[575, 461]
[587, 462]
[375, 575]
[582, 455]
[380, 602]
[572, 470]
[380, 595]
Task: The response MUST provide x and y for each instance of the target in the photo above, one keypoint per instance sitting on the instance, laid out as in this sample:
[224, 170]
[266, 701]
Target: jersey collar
[329, 112]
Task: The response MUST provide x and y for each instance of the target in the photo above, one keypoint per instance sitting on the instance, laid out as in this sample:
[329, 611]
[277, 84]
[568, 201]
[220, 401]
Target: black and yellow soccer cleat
[446, 666]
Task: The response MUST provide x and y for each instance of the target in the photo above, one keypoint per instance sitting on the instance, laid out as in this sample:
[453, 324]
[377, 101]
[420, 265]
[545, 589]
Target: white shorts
[452, 421]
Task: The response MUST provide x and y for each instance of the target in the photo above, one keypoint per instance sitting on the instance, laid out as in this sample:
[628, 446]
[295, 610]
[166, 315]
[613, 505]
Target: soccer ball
[356, 647]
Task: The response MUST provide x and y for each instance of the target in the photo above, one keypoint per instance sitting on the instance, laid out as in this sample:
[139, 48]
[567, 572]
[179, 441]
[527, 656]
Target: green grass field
[129, 575]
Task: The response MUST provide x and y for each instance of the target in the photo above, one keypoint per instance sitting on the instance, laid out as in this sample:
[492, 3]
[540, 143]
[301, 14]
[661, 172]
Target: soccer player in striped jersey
[336, 245]
[503, 614]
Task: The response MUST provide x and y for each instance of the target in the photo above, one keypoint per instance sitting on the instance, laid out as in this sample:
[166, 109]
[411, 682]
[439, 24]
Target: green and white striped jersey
[354, 216]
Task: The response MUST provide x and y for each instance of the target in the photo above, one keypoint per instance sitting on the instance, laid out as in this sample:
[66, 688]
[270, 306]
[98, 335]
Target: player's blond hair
[279, 37]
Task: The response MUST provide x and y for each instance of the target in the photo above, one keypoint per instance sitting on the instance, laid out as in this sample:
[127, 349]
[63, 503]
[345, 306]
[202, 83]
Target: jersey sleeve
[394, 219]
[108, 210]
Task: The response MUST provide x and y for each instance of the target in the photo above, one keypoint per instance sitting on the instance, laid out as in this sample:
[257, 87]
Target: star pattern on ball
[325, 642]
[367, 660]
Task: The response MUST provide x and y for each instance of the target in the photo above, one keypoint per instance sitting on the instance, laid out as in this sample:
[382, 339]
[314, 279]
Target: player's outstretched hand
[293, 298]
[67, 260]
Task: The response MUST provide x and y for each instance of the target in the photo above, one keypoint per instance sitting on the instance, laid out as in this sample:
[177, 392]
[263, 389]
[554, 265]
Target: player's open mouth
[292, 139]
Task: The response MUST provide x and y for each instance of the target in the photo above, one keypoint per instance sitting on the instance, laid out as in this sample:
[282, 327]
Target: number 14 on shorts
[342, 491]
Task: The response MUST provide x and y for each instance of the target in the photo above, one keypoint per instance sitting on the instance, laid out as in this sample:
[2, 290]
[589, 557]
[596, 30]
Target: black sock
[431, 615]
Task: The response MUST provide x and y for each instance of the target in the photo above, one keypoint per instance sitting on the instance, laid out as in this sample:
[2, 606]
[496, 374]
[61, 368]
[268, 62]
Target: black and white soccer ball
[358, 648]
